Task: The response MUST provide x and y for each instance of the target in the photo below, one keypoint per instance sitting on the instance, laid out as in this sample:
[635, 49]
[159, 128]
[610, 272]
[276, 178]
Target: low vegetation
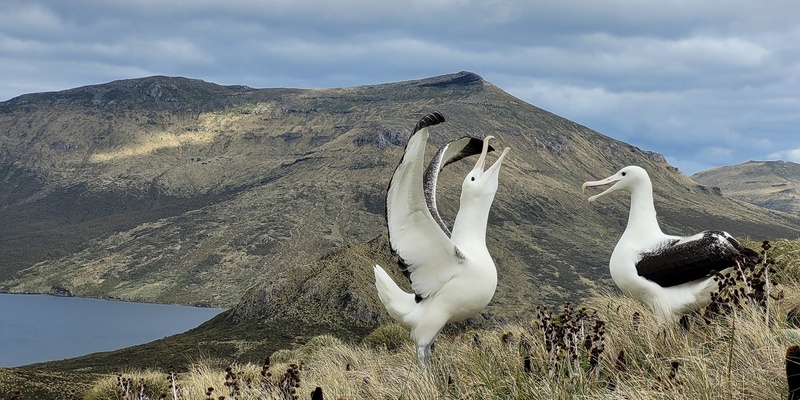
[608, 347]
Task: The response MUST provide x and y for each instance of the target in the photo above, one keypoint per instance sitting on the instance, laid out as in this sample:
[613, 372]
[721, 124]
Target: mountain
[271, 201]
[769, 184]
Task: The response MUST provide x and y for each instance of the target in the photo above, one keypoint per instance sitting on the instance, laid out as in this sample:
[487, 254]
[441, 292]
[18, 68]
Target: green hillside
[769, 184]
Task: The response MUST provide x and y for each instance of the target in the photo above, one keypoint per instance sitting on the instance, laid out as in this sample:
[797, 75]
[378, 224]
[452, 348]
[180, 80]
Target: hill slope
[770, 184]
[174, 190]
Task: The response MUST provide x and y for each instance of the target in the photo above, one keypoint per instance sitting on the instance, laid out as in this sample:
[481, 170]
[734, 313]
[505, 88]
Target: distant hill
[271, 201]
[769, 184]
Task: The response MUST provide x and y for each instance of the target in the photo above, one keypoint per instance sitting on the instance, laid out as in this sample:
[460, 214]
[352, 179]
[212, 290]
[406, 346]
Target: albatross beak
[482, 159]
[493, 170]
[602, 182]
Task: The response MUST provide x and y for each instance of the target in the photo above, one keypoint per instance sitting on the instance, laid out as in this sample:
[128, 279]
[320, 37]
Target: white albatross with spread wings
[452, 275]
[672, 274]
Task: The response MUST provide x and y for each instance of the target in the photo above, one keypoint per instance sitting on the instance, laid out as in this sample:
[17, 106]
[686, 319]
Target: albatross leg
[424, 354]
[424, 335]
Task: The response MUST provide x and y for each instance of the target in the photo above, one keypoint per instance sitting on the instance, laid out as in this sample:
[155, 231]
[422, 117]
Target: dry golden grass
[737, 356]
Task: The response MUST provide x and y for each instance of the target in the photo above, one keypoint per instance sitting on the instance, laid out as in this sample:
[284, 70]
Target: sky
[705, 83]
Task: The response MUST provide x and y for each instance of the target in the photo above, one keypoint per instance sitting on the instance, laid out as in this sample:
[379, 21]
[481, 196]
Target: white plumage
[452, 276]
[672, 274]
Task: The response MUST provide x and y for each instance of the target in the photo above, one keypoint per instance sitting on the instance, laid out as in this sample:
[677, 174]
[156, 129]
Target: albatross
[671, 274]
[452, 275]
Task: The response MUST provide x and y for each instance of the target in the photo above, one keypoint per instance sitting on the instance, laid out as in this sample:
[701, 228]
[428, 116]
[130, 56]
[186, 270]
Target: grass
[609, 347]
[721, 360]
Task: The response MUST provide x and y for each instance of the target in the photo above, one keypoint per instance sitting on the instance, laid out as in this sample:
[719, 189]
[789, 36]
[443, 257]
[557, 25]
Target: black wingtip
[429, 120]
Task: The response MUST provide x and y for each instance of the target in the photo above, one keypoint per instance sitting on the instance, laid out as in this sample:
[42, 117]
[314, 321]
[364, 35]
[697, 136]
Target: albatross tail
[397, 302]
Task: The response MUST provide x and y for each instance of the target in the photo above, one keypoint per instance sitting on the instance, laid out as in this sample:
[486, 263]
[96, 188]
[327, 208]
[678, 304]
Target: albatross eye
[624, 173]
[472, 179]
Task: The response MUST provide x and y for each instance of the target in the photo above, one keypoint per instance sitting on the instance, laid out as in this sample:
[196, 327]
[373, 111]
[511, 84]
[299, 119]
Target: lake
[36, 328]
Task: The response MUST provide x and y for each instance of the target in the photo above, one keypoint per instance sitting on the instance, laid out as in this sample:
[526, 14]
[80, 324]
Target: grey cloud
[704, 83]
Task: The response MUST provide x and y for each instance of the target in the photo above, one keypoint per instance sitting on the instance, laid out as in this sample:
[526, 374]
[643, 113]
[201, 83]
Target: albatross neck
[642, 222]
[469, 228]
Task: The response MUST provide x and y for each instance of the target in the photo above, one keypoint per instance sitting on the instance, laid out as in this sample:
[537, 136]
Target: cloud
[30, 18]
[787, 155]
[12, 45]
[704, 83]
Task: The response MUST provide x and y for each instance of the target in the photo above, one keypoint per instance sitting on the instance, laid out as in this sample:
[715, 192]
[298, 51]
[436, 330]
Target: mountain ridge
[177, 190]
[769, 184]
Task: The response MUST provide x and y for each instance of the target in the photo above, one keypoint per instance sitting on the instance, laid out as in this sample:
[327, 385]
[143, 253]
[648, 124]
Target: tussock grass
[736, 356]
[128, 386]
[609, 347]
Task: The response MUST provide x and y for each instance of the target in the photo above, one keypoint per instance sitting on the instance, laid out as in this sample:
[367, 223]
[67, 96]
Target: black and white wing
[447, 154]
[679, 261]
[427, 255]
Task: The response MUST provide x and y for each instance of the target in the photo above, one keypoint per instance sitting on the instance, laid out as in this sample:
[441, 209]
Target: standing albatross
[672, 274]
[452, 275]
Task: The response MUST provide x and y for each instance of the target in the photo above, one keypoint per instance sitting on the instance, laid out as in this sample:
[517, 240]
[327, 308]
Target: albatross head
[480, 183]
[628, 179]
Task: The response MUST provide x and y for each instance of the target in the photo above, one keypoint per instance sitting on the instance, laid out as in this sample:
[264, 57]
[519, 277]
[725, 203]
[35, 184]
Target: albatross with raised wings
[672, 274]
[452, 275]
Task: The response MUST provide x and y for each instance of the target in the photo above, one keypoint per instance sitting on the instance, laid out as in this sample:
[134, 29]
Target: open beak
[479, 166]
[482, 159]
[602, 182]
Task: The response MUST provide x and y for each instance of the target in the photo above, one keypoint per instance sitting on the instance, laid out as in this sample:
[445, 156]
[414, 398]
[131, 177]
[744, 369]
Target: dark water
[35, 328]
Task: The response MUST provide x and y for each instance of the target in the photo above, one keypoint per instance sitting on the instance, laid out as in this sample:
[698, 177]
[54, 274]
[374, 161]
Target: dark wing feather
[431, 119]
[680, 261]
[447, 154]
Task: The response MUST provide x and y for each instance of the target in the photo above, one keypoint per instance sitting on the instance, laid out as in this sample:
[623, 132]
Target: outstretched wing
[447, 154]
[427, 255]
[695, 257]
